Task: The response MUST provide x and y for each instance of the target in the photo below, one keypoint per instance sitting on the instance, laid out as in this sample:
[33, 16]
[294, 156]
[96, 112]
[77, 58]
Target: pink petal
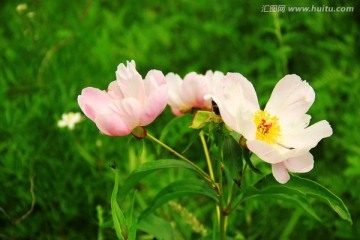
[194, 88]
[112, 125]
[308, 137]
[280, 173]
[130, 111]
[114, 90]
[154, 105]
[301, 164]
[178, 106]
[153, 79]
[93, 101]
[130, 81]
[291, 98]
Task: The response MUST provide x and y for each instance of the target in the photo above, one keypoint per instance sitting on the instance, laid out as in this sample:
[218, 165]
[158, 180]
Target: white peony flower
[280, 134]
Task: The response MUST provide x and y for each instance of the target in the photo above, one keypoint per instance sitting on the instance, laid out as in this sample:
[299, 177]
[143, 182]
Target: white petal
[274, 153]
[308, 137]
[240, 91]
[280, 173]
[296, 124]
[301, 164]
[237, 101]
[291, 98]
[265, 151]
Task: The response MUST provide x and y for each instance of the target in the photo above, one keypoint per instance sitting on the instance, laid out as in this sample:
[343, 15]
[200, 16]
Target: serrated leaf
[299, 187]
[148, 167]
[179, 189]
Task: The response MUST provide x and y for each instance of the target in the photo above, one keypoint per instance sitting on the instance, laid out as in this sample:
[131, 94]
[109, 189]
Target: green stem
[279, 37]
[211, 171]
[291, 225]
[199, 170]
[207, 155]
[223, 214]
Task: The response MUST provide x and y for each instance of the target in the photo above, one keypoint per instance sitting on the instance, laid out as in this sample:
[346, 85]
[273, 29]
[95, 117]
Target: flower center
[267, 127]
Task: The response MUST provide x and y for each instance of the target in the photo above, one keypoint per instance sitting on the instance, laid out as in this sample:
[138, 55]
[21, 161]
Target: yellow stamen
[268, 128]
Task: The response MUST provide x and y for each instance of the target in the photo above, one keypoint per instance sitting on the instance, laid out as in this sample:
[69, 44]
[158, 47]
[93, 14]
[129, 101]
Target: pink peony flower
[184, 95]
[129, 102]
[280, 134]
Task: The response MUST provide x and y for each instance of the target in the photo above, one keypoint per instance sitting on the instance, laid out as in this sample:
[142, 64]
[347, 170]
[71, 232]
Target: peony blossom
[187, 94]
[129, 102]
[280, 134]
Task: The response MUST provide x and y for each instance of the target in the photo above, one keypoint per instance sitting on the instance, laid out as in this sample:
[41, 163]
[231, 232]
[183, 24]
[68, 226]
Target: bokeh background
[56, 183]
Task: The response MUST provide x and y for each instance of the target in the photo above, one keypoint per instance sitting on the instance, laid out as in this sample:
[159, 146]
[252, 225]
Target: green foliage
[295, 188]
[53, 180]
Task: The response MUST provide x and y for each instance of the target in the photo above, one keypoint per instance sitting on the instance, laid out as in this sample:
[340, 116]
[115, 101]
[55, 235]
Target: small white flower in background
[69, 120]
[21, 7]
[30, 15]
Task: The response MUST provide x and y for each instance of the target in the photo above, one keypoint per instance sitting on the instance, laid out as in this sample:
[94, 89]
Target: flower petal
[308, 137]
[154, 105]
[130, 111]
[280, 173]
[290, 99]
[112, 125]
[178, 106]
[194, 88]
[301, 164]
[153, 79]
[265, 151]
[93, 101]
[130, 81]
[237, 102]
[274, 153]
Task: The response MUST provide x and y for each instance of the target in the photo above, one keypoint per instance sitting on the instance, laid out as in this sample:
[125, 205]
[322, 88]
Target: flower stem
[199, 170]
[221, 205]
[207, 155]
[211, 171]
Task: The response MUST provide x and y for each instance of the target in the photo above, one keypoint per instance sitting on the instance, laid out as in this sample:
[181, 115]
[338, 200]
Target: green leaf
[179, 126]
[192, 140]
[157, 227]
[148, 167]
[117, 214]
[179, 189]
[232, 158]
[298, 189]
[246, 154]
[131, 221]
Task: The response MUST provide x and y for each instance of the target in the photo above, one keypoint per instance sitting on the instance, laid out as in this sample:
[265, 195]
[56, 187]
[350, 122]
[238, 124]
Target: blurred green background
[56, 183]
